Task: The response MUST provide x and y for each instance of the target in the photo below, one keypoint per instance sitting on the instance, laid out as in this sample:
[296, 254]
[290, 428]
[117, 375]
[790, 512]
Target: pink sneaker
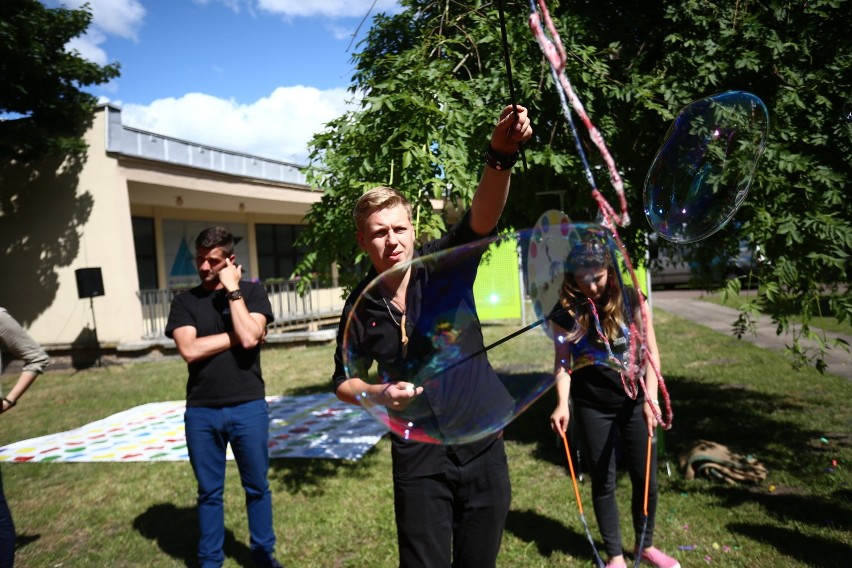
[659, 559]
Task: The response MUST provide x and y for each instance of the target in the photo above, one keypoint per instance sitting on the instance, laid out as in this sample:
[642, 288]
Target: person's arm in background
[22, 346]
[249, 327]
[651, 382]
[493, 189]
[561, 414]
[193, 348]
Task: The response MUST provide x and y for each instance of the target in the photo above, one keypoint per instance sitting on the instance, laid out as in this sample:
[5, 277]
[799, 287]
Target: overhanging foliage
[431, 80]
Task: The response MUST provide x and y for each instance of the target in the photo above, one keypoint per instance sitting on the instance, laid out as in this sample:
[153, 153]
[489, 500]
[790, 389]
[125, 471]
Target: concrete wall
[105, 241]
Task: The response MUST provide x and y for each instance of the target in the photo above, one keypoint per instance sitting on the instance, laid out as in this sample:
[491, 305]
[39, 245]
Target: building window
[146, 252]
[277, 253]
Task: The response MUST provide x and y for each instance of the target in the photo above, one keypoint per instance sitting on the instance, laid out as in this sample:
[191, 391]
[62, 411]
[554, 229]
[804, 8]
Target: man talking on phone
[218, 328]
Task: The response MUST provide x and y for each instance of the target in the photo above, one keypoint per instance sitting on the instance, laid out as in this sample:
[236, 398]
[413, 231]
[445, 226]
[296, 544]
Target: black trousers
[455, 517]
[600, 429]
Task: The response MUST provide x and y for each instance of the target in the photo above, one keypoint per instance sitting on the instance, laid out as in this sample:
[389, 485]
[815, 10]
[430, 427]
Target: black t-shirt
[232, 376]
[594, 383]
[440, 316]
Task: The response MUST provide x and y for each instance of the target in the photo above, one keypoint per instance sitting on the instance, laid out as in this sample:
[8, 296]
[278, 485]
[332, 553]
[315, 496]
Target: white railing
[155, 311]
[152, 146]
[311, 310]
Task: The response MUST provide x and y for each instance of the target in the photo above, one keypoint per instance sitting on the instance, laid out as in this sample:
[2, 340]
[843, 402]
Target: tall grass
[336, 513]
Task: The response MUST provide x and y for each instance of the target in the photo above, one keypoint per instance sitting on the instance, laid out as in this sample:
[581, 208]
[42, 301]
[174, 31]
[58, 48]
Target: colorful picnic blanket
[313, 426]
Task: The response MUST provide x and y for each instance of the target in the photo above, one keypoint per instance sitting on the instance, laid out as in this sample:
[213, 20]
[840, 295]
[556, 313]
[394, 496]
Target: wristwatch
[234, 295]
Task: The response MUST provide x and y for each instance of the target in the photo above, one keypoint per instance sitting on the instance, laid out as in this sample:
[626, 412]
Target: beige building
[93, 251]
[130, 212]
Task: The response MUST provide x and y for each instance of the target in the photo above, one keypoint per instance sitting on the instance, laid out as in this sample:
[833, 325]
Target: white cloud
[306, 8]
[235, 5]
[88, 46]
[121, 18]
[278, 127]
[340, 32]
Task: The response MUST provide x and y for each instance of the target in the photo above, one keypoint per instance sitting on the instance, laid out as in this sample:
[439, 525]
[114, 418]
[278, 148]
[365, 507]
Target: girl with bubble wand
[591, 329]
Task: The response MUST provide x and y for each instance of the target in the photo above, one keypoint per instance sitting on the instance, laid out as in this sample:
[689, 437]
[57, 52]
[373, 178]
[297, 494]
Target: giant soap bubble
[704, 168]
[550, 242]
[468, 382]
[560, 254]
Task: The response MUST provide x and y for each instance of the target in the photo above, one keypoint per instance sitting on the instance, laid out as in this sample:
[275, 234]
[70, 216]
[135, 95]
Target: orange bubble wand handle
[645, 504]
[571, 467]
[598, 559]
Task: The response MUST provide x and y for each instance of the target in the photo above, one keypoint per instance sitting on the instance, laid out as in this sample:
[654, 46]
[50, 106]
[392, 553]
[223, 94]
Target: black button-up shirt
[462, 397]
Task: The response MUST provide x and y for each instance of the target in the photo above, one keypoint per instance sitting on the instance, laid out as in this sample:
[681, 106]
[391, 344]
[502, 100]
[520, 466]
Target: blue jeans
[208, 433]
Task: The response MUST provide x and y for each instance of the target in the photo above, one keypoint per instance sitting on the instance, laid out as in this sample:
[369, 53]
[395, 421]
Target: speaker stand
[98, 360]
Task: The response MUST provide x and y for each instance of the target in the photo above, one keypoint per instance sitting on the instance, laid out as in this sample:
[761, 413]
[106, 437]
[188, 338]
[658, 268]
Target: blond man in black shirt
[450, 500]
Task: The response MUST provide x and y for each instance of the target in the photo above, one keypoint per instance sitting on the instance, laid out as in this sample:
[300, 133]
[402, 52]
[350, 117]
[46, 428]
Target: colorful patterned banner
[313, 426]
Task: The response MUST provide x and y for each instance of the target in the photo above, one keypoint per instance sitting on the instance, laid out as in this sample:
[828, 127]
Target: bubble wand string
[553, 50]
[630, 384]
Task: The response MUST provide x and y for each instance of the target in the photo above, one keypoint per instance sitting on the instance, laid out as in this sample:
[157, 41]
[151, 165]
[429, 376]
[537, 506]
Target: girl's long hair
[594, 254]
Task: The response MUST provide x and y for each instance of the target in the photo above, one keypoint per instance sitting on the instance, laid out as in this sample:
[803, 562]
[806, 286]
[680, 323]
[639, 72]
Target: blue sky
[256, 76]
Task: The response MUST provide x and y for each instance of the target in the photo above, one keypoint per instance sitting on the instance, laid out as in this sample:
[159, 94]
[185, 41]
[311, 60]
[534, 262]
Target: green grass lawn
[335, 513]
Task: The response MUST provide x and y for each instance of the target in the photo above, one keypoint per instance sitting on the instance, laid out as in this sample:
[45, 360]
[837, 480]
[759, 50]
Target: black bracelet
[500, 162]
[11, 403]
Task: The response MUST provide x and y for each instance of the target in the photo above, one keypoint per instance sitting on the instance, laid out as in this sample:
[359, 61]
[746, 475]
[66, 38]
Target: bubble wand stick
[509, 74]
[598, 559]
[638, 559]
[503, 340]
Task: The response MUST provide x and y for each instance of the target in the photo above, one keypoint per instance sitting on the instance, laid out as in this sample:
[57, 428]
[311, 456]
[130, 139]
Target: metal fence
[155, 311]
[310, 310]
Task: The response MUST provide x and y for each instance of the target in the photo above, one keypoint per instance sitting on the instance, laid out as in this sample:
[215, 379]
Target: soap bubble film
[464, 397]
[550, 242]
[472, 378]
[560, 252]
[703, 170]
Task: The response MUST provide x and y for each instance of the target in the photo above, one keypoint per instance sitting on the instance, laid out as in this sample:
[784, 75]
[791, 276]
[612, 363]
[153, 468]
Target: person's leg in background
[206, 444]
[7, 532]
[598, 429]
[247, 425]
[634, 434]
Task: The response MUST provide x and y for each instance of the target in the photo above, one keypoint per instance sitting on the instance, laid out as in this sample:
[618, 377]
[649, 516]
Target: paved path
[688, 305]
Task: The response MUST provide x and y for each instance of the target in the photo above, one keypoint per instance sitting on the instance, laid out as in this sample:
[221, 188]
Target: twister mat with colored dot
[312, 426]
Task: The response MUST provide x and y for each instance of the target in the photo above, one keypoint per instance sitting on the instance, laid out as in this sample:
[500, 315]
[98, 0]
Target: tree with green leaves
[424, 78]
[44, 114]
[40, 81]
